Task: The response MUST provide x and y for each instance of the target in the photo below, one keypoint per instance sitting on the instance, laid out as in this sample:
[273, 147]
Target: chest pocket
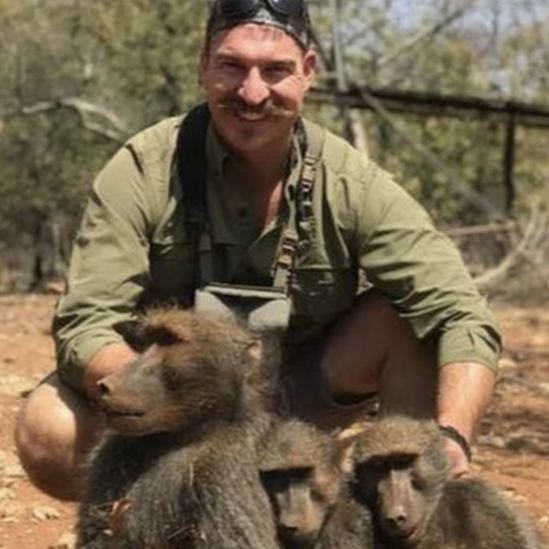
[320, 293]
[171, 261]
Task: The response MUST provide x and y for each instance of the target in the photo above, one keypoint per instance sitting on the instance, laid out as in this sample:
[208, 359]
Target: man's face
[255, 78]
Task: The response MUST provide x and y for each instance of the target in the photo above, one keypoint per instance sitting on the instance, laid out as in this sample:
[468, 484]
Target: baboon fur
[179, 469]
[402, 474]
[305, 472]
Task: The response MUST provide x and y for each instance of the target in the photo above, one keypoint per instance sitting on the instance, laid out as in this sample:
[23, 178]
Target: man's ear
[203, 64]
[310, 63]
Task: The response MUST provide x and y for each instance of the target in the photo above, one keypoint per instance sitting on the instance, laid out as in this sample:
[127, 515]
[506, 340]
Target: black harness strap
[301, 210]
[191, 169]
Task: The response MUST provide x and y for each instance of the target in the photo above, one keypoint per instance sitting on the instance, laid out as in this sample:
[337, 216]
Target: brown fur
[303, 471]
[402, 476]
[180, 468]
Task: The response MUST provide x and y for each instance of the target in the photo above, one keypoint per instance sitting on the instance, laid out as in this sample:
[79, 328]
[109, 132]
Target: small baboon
[401, 473]
[179, 469]
[304, 471]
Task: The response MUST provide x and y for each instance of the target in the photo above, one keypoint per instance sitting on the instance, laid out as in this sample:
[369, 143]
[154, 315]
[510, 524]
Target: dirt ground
[512, 451]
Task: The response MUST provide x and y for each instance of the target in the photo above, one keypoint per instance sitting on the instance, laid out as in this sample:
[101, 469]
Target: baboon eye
[368, 475]
[278, 480]
[164, 337]
[318, 497]
[275, 480]
[300, 474]
[374, 465]
[403, 461]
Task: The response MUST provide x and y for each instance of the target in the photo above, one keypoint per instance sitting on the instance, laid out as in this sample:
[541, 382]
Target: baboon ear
[347, 439]
[352, 433]
[347, 457]
[254, 351]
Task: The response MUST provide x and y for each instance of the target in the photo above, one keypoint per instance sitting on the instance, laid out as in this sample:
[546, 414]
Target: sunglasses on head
[232, 9]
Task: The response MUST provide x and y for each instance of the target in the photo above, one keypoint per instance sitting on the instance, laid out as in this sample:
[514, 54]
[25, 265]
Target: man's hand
[105, 362]
[459, 464]
[465, 389]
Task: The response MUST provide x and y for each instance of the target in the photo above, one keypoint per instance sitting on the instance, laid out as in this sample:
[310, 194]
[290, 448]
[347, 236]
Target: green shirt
[132, 249]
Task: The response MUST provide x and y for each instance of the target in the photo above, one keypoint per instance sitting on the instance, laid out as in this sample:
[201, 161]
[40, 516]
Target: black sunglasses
[232, 9]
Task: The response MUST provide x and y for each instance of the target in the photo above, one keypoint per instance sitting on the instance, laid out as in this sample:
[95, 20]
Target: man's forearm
[104, 362]
[465, 390]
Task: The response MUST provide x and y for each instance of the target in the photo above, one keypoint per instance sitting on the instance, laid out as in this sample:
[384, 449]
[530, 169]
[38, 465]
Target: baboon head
[400, 471]
[194, 370]
[301, 469]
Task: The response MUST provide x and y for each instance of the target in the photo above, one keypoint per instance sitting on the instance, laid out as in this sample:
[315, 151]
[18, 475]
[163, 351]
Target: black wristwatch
[453, 434]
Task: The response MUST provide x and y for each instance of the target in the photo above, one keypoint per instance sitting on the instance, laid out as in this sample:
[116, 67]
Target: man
[422, 338]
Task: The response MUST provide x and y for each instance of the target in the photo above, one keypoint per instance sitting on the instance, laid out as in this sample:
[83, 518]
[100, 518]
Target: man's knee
[54, 429]
[370, 346]
[360, 341]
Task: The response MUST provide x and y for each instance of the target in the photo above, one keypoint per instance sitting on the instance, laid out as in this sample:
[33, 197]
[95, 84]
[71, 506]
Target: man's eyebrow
[281, 62]
[228, 56]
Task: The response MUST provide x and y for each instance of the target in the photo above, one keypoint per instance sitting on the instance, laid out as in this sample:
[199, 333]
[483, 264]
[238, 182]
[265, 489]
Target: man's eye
[230, 66]
[277, 72]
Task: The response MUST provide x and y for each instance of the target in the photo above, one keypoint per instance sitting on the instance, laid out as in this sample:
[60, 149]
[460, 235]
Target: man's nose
[253, 89]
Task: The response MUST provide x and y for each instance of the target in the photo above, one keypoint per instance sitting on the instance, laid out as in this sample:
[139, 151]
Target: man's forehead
[256, 38]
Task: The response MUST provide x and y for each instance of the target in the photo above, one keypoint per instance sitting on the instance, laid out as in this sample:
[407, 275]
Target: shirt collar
[218, 154]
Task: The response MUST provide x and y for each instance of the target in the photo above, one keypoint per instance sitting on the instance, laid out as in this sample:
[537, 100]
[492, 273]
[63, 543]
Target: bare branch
[472, 196]
[532, 240]
[95, 118]
[486, 228]
[425, 34]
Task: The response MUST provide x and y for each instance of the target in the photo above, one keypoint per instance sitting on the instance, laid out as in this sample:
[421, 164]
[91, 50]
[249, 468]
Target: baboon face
[392, 485]
[193, 370]
[301, 471]
[299, 504]
[401, 477]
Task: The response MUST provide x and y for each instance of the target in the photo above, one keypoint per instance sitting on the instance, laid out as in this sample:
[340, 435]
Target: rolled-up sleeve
[422, 273]
[109, 265]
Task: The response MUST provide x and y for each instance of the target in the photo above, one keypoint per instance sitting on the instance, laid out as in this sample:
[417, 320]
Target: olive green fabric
[132, 250]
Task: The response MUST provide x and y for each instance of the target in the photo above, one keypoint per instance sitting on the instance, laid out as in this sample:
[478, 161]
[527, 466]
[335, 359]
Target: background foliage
[80, 76]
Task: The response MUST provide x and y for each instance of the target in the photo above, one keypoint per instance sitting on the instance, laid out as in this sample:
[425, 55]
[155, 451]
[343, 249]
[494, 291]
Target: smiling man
[256, 77]
[290, 216]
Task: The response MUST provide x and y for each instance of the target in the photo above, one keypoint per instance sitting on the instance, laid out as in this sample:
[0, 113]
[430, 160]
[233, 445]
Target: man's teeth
[251, 115]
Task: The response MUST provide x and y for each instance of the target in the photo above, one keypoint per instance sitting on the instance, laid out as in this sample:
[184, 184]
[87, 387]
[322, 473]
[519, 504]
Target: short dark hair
[292, 16]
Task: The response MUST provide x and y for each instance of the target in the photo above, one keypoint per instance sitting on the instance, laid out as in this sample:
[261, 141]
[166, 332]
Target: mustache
[268, 107]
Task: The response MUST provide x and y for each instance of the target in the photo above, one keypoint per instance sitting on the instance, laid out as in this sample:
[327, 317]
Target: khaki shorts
[308, 398]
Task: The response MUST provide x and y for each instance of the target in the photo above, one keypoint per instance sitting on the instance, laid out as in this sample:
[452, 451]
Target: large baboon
[304, 471]
[401, 473]
[179, 469]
